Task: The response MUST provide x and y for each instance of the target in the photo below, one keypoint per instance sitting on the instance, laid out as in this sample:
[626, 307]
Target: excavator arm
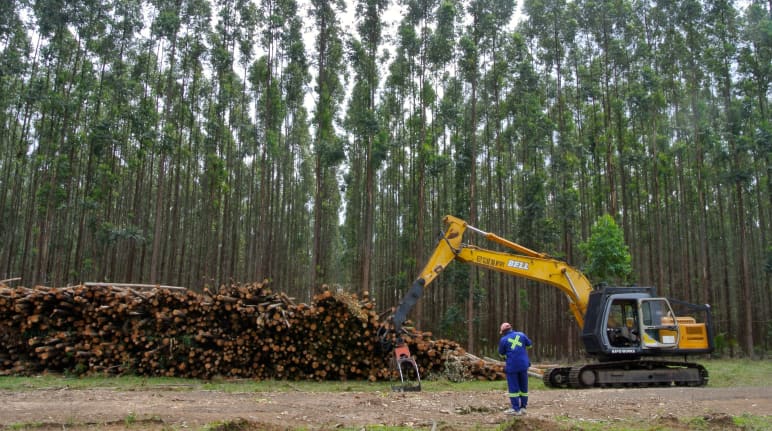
[524, 262]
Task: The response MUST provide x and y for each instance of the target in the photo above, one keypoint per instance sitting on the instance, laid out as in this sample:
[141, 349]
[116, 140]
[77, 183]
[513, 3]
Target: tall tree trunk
[157, 221]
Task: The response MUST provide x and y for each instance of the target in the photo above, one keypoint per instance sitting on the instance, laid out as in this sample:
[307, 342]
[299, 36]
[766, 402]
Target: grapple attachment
[410, 377]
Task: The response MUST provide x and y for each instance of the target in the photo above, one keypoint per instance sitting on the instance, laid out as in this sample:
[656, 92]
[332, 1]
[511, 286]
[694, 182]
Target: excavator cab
[630, 322]
[641, 323]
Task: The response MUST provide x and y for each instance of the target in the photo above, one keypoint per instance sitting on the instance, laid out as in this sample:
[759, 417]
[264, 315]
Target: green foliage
[608, 258]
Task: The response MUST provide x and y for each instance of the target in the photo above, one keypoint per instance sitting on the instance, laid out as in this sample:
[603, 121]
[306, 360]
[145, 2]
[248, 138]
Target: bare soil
[166, 409]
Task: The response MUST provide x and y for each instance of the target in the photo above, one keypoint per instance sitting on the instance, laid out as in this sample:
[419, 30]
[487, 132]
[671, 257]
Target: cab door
[659, 330]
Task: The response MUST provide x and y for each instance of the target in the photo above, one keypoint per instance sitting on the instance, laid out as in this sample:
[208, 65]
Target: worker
[513, 345]
[615, 331]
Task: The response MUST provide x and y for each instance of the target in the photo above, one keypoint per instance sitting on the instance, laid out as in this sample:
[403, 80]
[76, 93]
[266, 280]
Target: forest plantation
[318, 144]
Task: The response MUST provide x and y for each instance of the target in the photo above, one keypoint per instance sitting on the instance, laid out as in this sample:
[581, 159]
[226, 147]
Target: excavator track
[556, 377]
[636, 374]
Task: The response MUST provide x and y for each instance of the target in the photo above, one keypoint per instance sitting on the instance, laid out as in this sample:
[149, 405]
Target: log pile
[244, 331]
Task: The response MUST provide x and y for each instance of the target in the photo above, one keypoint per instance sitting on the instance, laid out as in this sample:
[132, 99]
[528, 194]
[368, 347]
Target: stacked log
[244, 331]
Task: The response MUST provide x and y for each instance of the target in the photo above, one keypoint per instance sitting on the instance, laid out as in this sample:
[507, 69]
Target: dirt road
[173, 408]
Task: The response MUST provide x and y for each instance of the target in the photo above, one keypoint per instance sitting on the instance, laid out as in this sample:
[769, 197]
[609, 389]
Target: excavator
[630, 331]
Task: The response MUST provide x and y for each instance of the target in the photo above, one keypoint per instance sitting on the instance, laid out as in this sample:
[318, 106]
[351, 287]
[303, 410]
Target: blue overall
[513, 345]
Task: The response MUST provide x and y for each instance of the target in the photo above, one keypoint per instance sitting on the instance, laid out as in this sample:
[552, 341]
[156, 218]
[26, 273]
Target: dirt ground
[172, 408]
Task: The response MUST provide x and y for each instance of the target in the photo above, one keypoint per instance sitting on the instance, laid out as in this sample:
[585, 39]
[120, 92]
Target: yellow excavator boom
[524, 263]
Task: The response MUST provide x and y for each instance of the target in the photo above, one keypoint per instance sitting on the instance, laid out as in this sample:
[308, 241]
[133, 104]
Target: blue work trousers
[517, 383]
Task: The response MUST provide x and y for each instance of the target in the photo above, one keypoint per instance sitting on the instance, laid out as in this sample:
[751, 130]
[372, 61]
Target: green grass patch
[23, 426]
[136, 383]
[722, 373]
[754, 423]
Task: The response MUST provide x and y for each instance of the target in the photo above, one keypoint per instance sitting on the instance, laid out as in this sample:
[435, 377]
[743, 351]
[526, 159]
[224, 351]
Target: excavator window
[659, 328]
[622, 328]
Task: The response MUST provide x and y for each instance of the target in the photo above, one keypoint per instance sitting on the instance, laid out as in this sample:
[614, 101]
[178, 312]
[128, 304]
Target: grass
[24, 426]
[753, 423]
[130, 419]
[722, 372]
[133, 383]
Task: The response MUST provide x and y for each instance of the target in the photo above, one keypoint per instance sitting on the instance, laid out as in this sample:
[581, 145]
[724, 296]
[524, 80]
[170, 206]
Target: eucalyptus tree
[194, 88]
[446, 108]
[166, 27]
[497, 33]
[266, 85]
[137, 148]
[446, 124]
[101, 229]
[393, 243]
[245, 134]
[15, 112]
[608, 25]
[528, 132]
[755, 62]
[479, 32]
[366, 152]
[451, 168]
[328, 148]
[553, 30]
[242, 19]
[426, 52]
[662, 80]
[415, 33]
[483, 68]
[280, 168]
[648, 101]
[755, 68]
[66, 77]
[723, 29]
[491, 32]
[94, 49]
[396, 249]
[297, 167]
[692, 142]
